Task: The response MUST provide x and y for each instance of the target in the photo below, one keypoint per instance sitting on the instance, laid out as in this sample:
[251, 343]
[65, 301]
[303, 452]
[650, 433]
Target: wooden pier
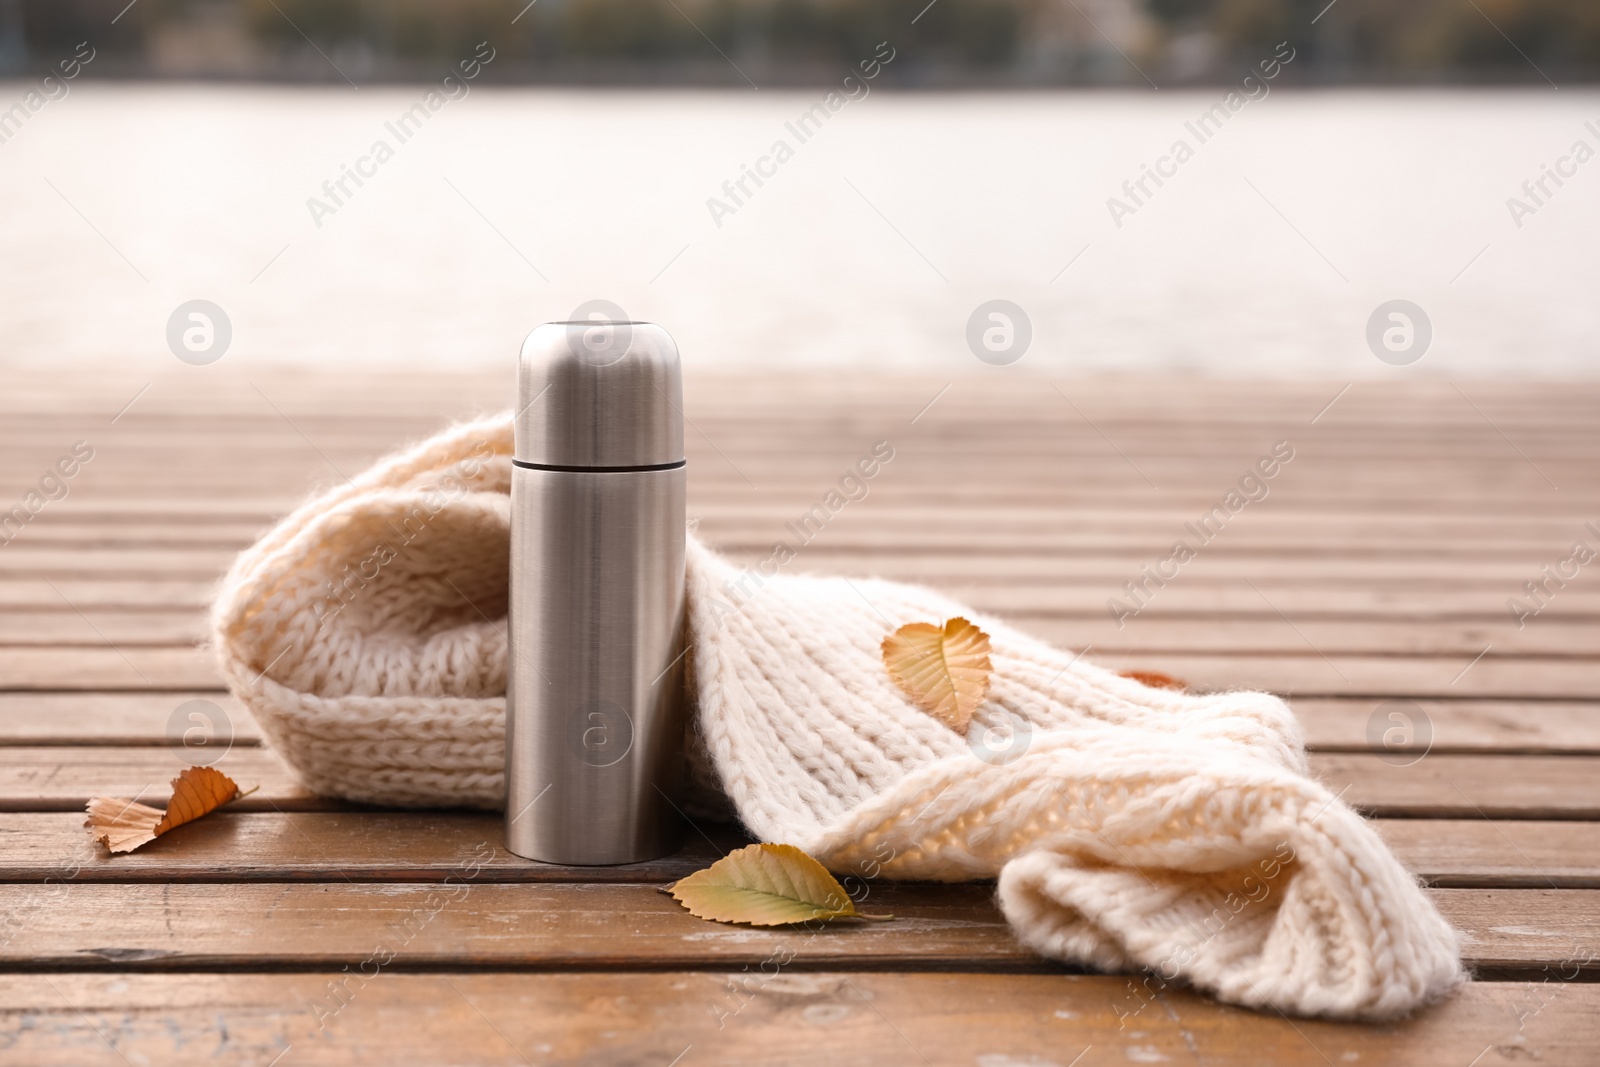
[1377, 573]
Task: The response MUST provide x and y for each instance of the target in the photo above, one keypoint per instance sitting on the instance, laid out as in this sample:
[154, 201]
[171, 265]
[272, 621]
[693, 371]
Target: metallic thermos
[594, 703]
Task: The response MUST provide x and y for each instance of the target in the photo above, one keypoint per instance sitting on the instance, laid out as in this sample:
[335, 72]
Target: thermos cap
[599, 394]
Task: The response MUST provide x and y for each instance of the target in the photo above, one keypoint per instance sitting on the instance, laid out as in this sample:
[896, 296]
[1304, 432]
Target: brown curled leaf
[123, 825]
[1156, 680]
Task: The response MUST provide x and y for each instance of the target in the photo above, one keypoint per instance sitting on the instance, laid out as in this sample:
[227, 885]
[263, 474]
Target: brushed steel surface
[594, 703]
[599, 394]
[594, 729]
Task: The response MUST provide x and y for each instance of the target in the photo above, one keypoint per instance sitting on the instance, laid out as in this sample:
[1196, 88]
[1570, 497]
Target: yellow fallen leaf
[1155, 679]
[766, 885]
[945, 671]
[124, 825]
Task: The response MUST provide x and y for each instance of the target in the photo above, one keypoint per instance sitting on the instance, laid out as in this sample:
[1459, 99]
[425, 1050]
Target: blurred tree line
[609, 39]
[786, 41]
[1403, 40]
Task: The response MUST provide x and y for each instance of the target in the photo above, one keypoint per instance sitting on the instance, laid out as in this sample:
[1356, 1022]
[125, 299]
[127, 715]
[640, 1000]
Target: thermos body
[594, 704]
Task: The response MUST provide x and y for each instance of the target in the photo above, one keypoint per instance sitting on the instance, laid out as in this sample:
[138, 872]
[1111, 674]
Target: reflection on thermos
[594, 703]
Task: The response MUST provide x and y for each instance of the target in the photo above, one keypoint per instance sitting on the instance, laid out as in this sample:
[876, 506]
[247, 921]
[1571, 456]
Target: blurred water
[869, 248]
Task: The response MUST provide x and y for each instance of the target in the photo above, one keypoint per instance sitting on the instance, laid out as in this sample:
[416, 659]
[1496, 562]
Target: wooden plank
[1263, 631]
[805, 458]
[911, 558]
[27, 557]
[1437, 786]
[1177, 446]
[64, 778]
[1505, 726]
[133, 528]
[736, 476]
[1478, 853]
[427, 846]
[1000, 413]
[910, 561]
[729, 485]
[357, 846]
[1195, 597]
[1509, 928]
[970, 407]
[917, 564]
[963, 427]
[874, 527]
[871, 523]
[787, 1019]
[1267, 632]
[327, 387]
[204, 519]
[107, 667]
[1308, 674]
[1035, 437]
[1160, 450]
[1461, 786]
[1199, 599]
[1336, 724]
[1178, 465]
[90, 718]
[467, 922]
[94, 594]
[125, 629]
[1414, 677]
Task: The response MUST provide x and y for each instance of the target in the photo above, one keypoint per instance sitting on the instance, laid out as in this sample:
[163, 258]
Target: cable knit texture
[1129, 827]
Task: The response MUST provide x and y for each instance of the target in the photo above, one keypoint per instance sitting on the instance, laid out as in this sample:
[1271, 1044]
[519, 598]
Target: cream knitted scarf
[1129, 827]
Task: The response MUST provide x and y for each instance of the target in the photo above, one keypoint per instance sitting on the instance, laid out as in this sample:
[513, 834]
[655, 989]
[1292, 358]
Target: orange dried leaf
[124, 825]
[1156, 680]
[944, 670]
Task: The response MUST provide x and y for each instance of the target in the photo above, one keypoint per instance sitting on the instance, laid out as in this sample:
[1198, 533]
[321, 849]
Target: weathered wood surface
[1158, 634]
[1378, 575]
[463, 920]
[790, 1020]
[1403, 783]
[234, 846]
[1309, 673]
[88, 717]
